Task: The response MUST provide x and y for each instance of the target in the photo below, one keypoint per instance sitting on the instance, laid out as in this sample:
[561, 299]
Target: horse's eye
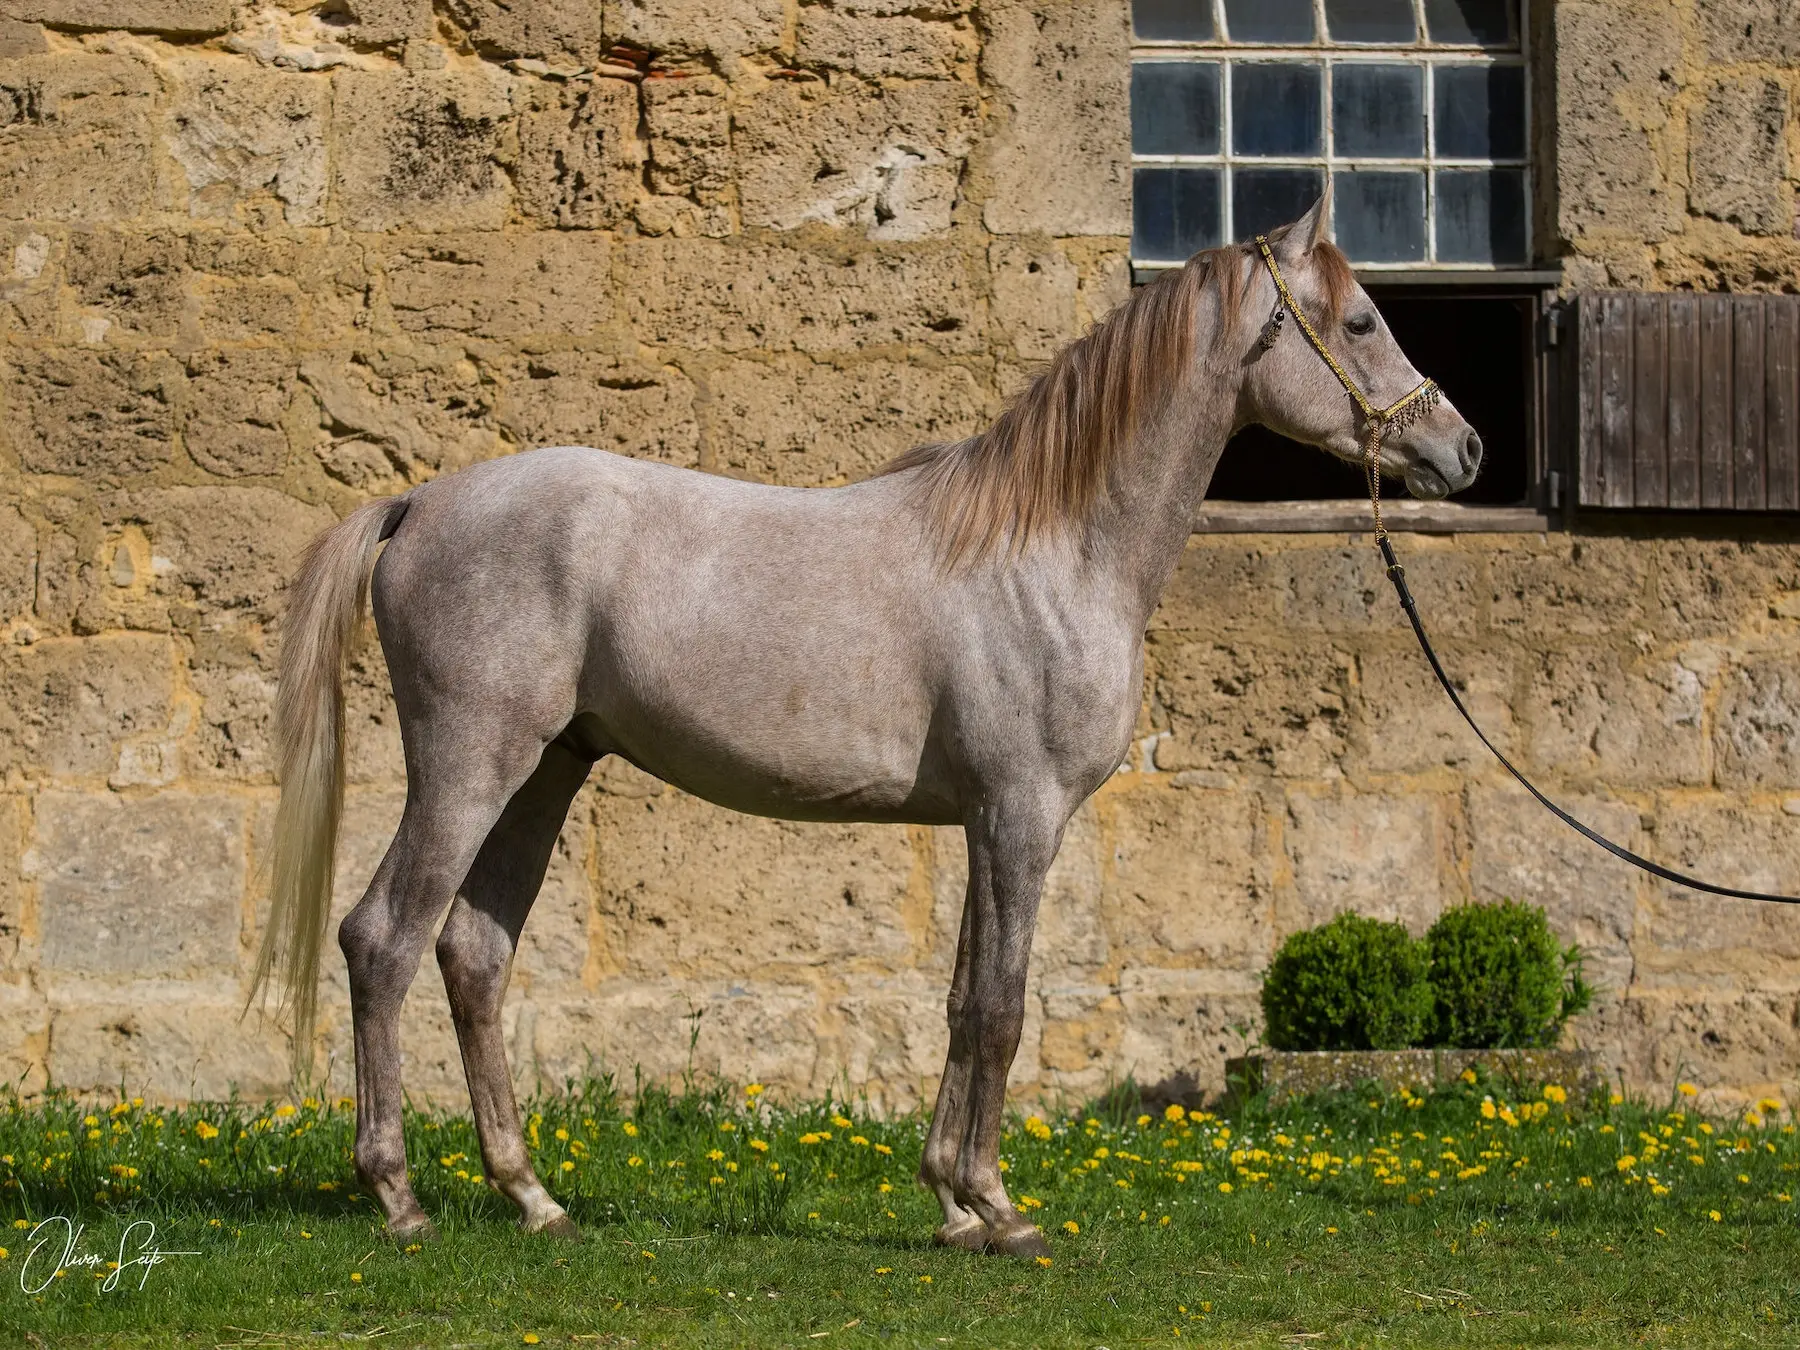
[1361, 325]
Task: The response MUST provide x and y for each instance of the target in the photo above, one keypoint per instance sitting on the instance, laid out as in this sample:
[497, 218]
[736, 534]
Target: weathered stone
[1735, 1047]
[1737, 156]
[238, 133]
[1034, 304]
[884, 161]
[1751, 30]
[419, 413]
[1716, 587]
[1382, 855]
[1593, 714]
[75, 139]
[421, 151]
[726, 297]
[165, 1041]
[724, 29]
[789, 420]
[876, 45]
[69, 703]
[1578, 586]
[1342, 588]
[90, 413]
[1402, 722]
[1181, 1024]
[18, 564]
[580, 160]
[175, 18]
[243, 287]
[1268, 706]
[1756, 736]
[491, 285]
[581, 398]
[1059, 157]
[540, 28]
[1285, 1075]
[1222, 583]
[24, 1036]
[890, 1039]
[689, 119]
[20, 39]
[236, 404]
[381, 23]
[140, 888]
[128, 284]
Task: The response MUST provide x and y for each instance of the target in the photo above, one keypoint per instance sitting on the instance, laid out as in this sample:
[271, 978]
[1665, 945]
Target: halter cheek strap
[1377, 422]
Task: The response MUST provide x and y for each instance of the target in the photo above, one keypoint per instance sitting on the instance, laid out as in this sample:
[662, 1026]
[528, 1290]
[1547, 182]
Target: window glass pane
[1480, 112]
[1487, 22]
[1275, 108]
[1175, 108]
[1370, 20]
[1481, 215]
[1379, 215]
[1265, 198]
[1172, 20]
[1377, 110]
[1174, 213]
[1275, 21]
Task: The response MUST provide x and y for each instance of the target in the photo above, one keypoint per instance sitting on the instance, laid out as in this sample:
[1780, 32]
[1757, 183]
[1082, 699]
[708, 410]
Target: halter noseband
[1377, 422]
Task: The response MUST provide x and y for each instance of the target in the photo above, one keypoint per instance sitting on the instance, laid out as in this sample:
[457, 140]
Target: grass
[714, 1217]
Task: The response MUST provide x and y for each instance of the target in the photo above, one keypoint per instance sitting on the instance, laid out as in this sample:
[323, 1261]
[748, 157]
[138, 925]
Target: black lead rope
[1397, 575]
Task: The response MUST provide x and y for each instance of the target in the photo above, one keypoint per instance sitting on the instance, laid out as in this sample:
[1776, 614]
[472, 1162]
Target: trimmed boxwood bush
[1500, 980]
[1351, 984]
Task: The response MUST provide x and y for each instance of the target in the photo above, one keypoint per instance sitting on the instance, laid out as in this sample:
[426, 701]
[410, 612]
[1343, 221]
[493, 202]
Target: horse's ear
[1297, 241]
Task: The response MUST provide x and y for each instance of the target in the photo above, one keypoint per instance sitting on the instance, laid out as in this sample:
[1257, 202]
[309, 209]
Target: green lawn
[1475, 1216]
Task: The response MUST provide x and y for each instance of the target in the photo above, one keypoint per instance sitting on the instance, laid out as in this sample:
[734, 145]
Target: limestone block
[540, 28]
[1401, 721]
[1059, 157]
[1595, 714]
[689, 119]
[1567, 584]
[173, 18]
[228, 548]
[24, 1036]
[143, 887]
[236, 405]
[1189, 875]
[30, 281]
[58, 580]
[1034, 301]
[20, 39]
[381, 23]
[584, 398]
[1343, 588]
[421, 151]
[75, 138]
[510, 286]
[69, 702]
[725, 29]
[1383, 855]
[90, 414]
[1750, 30]
[1737, 156]
[580, 160]
[414, 413]
[1717, 587]
[1756, 734]
[553, 950]
[789, 420]
[710, 295]
[1222, 583]
[235, 735]
[1074, 1049]
[175, 1044]
[687, 888]
[1179, 1026]
[1247, 705]
[889, 1039]
[243, 286]
[239, 133]
[128, 284]
[877, 45]
[1517, 851]
[883, 161]
[1618, 70]
[1739, 1046]
[18, 564]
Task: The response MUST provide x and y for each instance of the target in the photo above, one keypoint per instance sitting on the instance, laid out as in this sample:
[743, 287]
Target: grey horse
[957, 640]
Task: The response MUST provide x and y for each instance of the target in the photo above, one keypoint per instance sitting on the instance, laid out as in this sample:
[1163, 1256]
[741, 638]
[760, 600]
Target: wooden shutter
[1689, 402]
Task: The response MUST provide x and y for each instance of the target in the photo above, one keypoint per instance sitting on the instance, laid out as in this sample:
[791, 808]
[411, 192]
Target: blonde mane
[1049, 458]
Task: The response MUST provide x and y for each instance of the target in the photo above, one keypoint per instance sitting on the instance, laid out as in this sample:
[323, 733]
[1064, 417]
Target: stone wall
[259, 265]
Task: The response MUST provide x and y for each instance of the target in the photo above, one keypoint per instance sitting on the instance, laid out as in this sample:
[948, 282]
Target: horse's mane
[1050, 456]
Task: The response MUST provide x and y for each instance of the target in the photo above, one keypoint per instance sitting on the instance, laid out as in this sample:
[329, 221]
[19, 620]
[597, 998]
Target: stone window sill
[1355, 516]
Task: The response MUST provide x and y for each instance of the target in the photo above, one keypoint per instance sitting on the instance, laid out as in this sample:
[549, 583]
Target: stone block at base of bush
[1284, 1074]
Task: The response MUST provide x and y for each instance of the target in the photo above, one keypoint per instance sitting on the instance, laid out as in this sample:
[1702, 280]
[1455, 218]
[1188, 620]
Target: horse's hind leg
[453, 800]
[475, 952]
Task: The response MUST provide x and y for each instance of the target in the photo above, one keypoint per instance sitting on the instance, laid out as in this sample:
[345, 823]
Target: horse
[955, 640]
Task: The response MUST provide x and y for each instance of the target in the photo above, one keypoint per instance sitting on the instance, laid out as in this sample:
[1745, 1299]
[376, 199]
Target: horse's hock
[259, 266]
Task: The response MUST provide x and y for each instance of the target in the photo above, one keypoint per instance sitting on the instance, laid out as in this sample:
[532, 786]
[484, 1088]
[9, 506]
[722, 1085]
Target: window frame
[1325, 54]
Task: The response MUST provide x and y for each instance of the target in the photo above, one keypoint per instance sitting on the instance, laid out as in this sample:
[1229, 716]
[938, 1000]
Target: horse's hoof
[971, 1236]
[1023, 1241]
[562, 1226]
[419, 1229]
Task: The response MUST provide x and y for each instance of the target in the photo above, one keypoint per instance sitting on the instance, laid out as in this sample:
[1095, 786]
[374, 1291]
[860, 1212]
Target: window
[1417, 111]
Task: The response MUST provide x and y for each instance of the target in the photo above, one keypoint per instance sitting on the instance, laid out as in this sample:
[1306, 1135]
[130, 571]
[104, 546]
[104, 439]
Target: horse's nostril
[1472, 452]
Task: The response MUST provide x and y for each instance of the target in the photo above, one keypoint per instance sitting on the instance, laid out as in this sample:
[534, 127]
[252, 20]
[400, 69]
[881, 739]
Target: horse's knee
[473, 955]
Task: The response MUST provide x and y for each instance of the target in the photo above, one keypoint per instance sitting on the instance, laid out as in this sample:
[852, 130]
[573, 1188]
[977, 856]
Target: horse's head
[1291, 388]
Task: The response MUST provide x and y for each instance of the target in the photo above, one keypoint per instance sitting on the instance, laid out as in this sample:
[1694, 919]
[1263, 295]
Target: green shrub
[1500, 979]
[1351, 984]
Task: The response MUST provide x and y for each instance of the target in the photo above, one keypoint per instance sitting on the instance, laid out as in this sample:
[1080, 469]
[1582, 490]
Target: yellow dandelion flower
[1045, 1262]
[285, 1110]
[761, 1146]
[305, 1234]
[884, 1150]
[842, 1122]
[924, 1279]
[1714, 1215]
[1143, 1121]
[1686, 1089]
[630, 1128]
[356, 1277]
[567, 1166]
[1784, 1197]
[648, 1256]
[1224, 1188]
[1626, 1163]
[859, 1140]
[714, 1155]
[1030, 1202]
[886, 1187]
[1554, 1092]
[753, 1089]
[1586, 1183]
[530, 1338]
[634, 1161]
[1071, 1227]
[884, 1270]
[1165, 1220]
[1174, 1113]
[1743, 1178]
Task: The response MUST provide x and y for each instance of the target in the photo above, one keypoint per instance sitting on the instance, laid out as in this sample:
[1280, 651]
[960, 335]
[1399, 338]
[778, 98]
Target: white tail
[325, 609]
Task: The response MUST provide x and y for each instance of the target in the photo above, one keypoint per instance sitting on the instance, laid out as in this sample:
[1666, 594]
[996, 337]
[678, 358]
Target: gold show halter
[1377, 422]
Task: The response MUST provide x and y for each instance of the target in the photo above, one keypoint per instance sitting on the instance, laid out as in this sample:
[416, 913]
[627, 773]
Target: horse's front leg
[937, 1162]
[1010, 850]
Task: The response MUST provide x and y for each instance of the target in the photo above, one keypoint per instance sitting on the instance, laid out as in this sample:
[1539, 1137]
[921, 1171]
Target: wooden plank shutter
[1688, 401]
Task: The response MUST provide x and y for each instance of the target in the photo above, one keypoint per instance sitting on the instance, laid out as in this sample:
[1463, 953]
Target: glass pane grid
[1382, 173]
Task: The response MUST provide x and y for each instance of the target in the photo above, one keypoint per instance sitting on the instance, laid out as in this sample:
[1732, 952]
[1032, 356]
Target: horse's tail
[324, 615]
